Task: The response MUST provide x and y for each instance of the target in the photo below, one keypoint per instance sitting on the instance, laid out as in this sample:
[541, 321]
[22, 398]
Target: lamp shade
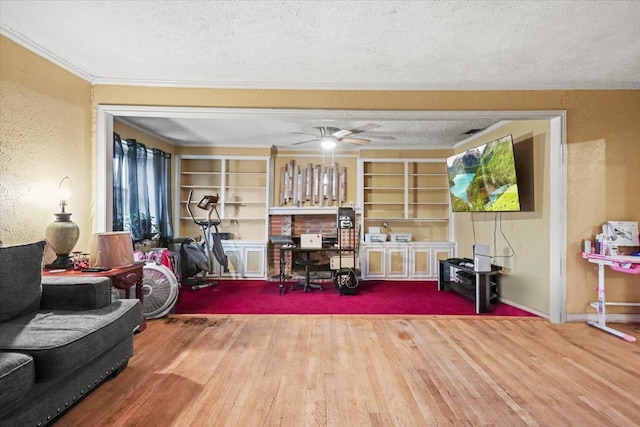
[113, 249]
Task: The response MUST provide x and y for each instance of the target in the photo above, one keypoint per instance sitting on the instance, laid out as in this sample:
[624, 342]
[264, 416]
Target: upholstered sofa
[60, 338]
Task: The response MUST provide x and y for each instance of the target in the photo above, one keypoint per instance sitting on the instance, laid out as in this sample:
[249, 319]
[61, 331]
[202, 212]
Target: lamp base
[62, 261]
[62, 235]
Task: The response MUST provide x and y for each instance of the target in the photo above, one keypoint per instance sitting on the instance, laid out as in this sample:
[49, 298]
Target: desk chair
[304, 259]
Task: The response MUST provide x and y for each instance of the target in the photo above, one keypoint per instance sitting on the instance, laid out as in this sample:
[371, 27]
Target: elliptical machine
[198, 257]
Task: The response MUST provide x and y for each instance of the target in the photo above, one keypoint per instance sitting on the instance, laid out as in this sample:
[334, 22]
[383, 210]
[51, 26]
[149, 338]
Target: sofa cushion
[75, 292]
[60, 341]
[20, 279]
[16, 377]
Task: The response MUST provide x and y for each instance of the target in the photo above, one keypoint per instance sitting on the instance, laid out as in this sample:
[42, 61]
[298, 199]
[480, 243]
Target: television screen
[483, 179]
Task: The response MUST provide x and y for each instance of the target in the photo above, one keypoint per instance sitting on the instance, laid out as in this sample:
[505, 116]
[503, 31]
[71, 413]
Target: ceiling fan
[331, 136]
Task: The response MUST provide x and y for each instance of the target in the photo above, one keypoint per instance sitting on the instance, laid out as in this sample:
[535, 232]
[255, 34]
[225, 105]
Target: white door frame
[103, 181]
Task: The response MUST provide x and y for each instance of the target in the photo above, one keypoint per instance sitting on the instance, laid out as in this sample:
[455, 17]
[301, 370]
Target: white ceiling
[384, 45]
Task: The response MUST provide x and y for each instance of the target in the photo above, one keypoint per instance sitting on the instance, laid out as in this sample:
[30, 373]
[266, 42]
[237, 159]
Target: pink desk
[621, 263]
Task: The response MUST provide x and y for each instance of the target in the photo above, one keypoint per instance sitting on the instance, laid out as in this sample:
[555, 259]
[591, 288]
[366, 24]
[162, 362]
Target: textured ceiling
[256, 130]
[397, 45]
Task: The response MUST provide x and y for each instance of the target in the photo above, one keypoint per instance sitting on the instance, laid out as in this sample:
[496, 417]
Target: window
[141, 191]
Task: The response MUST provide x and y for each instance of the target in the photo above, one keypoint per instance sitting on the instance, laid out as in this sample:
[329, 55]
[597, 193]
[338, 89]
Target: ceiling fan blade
[341, 132]
[358, 141]
[305, 142]
[304, 133]
[369, 126]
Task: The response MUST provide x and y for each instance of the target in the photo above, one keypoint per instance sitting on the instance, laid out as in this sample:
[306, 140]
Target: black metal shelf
[482, 287]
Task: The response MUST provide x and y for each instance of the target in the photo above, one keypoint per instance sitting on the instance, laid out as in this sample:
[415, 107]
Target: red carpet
[374, 297]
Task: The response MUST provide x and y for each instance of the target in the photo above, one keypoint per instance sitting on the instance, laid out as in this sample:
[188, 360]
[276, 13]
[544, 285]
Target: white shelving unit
[243, 185]
[409, 195]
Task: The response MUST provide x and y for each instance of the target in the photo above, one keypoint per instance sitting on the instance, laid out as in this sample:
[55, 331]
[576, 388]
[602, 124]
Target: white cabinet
[424, 257]
[385, 261]
[245, 259]
[415, 260]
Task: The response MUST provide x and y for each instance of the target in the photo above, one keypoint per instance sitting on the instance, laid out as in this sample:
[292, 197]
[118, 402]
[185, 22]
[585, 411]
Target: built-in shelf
[242, 182]
[406, 193]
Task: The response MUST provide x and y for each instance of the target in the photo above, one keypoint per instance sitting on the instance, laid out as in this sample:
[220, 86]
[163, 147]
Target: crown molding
[29, 44]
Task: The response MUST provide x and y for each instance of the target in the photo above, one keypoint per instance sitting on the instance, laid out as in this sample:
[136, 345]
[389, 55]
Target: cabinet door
[374, 262]
[245, 260]
[397, 258]
[441, 252]
[254, 261]
[421, 263]
[235, 261]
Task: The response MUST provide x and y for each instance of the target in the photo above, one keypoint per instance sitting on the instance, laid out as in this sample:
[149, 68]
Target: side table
[121, 278]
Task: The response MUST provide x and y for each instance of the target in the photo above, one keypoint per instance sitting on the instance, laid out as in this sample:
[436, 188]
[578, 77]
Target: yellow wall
[527, 278]
[45, 134]
[45, 119]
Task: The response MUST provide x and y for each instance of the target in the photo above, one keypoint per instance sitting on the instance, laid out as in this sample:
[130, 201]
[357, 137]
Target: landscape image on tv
[483, 179]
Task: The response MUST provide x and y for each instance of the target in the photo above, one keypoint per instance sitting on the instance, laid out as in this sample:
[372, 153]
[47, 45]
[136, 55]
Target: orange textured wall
[45, 134]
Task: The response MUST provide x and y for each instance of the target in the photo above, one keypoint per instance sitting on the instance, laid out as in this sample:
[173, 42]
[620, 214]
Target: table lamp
[62, 234]
[111, 249]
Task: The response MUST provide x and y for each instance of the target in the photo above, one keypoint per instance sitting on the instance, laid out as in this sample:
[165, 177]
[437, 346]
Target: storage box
[375, 237]
[400, 237]
[347, 262]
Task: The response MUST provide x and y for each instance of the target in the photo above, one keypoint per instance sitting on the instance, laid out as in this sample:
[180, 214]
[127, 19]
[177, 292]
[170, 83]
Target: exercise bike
[197, 257]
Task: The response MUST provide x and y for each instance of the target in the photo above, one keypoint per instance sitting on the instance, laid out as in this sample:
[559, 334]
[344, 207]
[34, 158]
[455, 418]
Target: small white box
[374, 230]
[311, 240]
[400, 237]
[379, 237]
[347, 262]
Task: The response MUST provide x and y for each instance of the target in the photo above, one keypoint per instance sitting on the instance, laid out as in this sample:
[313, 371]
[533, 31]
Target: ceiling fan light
[328, 143]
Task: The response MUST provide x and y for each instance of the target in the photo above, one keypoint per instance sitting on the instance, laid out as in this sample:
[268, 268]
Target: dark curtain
[161, 176]
[141, 190]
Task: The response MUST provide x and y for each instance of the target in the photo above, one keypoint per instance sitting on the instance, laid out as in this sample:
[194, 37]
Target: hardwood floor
[370, 371]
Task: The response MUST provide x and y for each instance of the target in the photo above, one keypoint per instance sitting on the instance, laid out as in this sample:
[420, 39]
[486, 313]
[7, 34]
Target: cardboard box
[347, 262]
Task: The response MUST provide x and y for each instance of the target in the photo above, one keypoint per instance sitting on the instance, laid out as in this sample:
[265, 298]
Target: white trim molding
[558, 164]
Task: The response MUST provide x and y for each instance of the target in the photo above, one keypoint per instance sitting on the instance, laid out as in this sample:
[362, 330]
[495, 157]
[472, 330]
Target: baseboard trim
[525, 308]
[611, 318]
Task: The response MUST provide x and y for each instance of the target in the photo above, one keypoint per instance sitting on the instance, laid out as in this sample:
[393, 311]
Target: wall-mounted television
[483, 179]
